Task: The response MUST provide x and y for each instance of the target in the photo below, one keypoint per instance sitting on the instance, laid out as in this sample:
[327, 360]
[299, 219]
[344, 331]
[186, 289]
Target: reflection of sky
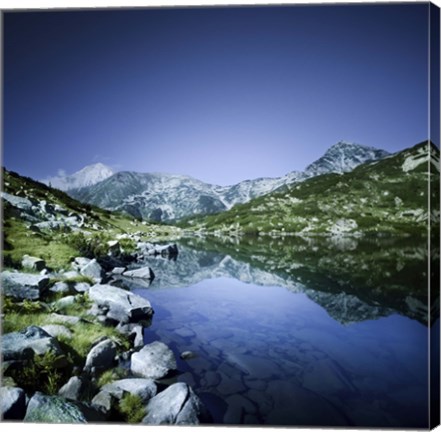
[372, 373]
[220, 94]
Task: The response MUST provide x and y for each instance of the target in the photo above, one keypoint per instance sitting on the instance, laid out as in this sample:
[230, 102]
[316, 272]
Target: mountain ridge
[166, 197]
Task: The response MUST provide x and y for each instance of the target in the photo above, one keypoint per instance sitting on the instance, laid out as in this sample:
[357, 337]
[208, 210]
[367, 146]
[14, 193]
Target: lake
[299, 332]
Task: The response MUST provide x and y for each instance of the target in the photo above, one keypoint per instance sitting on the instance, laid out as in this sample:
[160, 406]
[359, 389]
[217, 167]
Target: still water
[273, 347]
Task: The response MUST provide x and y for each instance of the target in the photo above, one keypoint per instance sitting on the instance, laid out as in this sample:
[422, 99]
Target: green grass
[132, 408]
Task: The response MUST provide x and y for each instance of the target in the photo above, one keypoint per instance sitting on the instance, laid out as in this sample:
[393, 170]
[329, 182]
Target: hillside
[42, 221]
[386, 196]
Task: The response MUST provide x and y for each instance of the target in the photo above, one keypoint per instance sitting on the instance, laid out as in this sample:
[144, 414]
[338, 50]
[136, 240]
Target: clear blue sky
[222, 94]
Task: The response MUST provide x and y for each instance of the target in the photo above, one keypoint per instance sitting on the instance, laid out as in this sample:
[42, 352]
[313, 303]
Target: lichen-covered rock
[23, 285]
[177, 404]
[12, 403]
[154, 361]
[52, 409]
[121, 305]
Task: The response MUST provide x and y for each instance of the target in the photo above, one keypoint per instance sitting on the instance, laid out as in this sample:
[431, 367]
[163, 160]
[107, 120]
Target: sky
[221, 94]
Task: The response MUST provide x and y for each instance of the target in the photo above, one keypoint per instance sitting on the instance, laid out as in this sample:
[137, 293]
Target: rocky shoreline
[48, 376]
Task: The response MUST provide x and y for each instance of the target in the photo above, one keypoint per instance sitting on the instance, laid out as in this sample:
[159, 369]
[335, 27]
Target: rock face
[154, 361]
[33, 263]
[178, 404]
[24, 344]
[142, 273]
[122, 306]
[52, 409]
[23, 285]
[12, 403]
[101, 356]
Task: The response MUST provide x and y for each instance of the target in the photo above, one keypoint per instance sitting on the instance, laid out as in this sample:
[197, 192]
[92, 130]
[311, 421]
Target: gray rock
[33, 263]
[81, 287]
[154, 361]
[178, 404]
[60, 287]
[104, 402]
[123, 306]
[80, 262]
[52, 409]
[118, 270]
[56, 330]
[16, 201]
[32, 340]
[101, 356]
[64, 319]
[92, 270]
[23, 285]
[64, 302]
[73, 389]
[141, 273]
[71, 274]
[12, 403]
[142, 387]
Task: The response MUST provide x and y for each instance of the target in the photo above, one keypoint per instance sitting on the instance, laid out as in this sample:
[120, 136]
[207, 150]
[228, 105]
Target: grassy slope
[379, 197]
[58, 247]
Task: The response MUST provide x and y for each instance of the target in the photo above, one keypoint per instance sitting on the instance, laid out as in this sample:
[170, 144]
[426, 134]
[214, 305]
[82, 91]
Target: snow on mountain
[164, 197]
[87, 176]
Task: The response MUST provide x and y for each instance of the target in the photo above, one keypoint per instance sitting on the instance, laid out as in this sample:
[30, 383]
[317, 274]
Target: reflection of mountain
[352, 281]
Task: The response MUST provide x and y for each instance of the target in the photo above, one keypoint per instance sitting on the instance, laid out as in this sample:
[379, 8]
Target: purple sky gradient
[221, 94]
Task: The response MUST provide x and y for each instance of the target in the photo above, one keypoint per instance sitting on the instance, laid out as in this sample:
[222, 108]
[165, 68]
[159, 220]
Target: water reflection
[302, 333]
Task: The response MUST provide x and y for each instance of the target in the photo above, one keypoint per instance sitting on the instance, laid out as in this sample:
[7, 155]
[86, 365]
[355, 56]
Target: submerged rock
[12, 403]
[154, 361]
[23, 286]
[178, 404]
[52, 409]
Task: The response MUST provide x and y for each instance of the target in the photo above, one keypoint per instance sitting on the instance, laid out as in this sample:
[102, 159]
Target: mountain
[387, 195]
[166, 197]
[87, 176]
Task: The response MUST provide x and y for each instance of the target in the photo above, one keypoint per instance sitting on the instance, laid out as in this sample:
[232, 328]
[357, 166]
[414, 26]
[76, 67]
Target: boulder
[118, 270]
[82, 287]
[134, 332]
[33, 263]
[187, 355]
[104, 402]
[56, 330]
[64, 302]
[92, 270]
[23, 286]
[101, 356]
[122, 306]
[154, 361]
[12, 403]
[141, 273]
[28, 342]
[178, 404]
[114, 247]
[73, 389]
[52, 409]
[16, 201]
[60, 287]
[142, 387]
